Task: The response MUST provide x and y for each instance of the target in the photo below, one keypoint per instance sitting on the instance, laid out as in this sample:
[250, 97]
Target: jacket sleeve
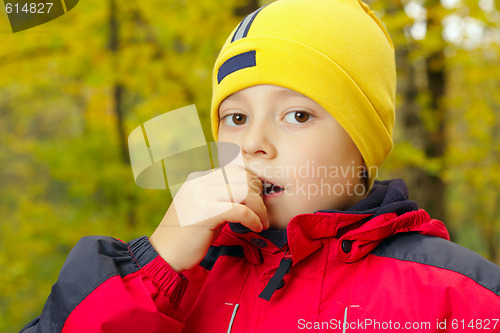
[106, 285]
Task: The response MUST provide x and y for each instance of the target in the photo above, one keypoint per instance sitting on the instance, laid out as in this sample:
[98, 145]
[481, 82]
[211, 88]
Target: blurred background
[71, 91]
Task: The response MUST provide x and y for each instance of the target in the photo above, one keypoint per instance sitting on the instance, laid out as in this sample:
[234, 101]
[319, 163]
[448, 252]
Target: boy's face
[290, 141]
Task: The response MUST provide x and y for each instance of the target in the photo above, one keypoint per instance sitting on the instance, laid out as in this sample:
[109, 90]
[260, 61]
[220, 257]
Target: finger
[254, 201]
[242, 194]
[205, 189]
[254, 182]
[238, 213]
[229, 174]
[228, 193]
[232, 212]
[235, 193]
[234, 174]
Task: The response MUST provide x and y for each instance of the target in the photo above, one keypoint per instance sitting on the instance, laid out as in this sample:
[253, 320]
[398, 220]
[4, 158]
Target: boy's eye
[235, 119]
[297, 117]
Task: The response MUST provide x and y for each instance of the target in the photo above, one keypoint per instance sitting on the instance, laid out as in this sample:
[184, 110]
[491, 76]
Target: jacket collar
[386, 211]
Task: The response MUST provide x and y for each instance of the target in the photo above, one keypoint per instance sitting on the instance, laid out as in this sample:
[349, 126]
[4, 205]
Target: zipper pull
[276, 281]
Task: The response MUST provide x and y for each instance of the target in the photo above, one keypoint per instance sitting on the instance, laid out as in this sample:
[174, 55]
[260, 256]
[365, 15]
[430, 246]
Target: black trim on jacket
[441, 253]
[91, 262]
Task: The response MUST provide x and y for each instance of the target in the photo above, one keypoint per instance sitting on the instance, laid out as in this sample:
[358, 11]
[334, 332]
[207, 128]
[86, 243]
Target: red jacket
[384, 265]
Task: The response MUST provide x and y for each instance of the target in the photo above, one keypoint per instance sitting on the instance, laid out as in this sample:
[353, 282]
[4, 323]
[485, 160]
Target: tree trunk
[118, 108]
[117, 88]
[417, 77]
[433, 186]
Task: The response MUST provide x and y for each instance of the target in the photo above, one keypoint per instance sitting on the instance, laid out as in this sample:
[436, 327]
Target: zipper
[230, 327]
[237, 305]
[344, 324]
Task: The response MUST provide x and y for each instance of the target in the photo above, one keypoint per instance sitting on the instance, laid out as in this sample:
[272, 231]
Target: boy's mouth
[269, 188]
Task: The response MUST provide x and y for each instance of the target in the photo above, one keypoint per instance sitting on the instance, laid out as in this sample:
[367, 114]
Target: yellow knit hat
[335, 52]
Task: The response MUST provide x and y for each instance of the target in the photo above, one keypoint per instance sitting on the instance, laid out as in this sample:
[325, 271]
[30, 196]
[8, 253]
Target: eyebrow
[279, 93]
[289, 93]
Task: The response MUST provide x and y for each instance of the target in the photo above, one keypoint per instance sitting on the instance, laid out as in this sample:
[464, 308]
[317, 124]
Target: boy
[298, 84]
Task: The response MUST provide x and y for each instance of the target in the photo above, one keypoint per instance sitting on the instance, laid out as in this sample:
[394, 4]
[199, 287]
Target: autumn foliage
[72, 89]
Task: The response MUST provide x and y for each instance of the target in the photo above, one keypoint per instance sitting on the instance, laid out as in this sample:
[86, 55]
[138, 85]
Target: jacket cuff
[157, 270]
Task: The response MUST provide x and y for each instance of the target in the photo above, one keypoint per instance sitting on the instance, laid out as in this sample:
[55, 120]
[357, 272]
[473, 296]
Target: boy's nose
[258, 141]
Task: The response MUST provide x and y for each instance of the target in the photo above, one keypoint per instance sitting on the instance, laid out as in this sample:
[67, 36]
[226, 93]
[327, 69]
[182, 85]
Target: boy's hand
[184, 235]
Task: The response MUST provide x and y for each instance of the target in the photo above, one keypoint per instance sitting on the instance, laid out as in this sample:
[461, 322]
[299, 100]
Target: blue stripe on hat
[235, 63]
[244, 26]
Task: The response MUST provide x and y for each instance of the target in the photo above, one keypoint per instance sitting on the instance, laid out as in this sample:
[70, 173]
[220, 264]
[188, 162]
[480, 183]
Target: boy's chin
[279, 218]
[278, 223]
